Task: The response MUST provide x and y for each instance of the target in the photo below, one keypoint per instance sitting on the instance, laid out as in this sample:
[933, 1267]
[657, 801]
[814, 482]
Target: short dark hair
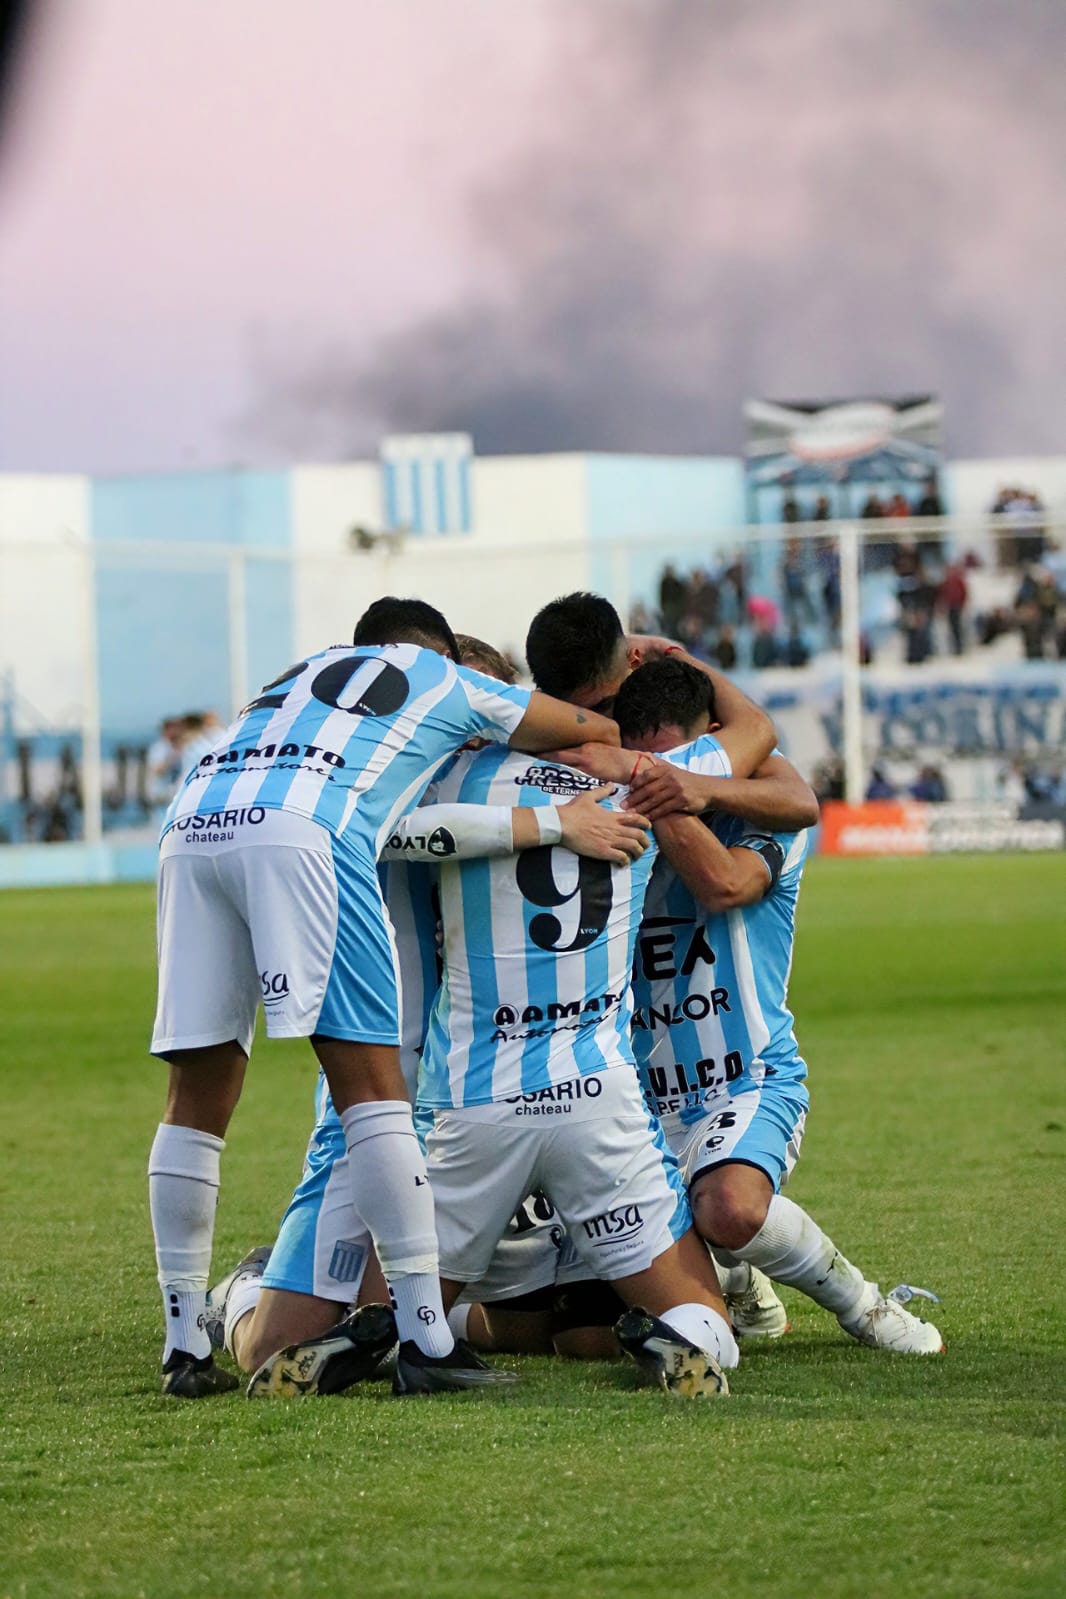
[572, 641]
[395, 621]
[663, 691]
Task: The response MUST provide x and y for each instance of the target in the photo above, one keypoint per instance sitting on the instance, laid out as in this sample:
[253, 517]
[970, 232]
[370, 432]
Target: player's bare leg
[738, 1213]
[278, 1319]
[183, 1181]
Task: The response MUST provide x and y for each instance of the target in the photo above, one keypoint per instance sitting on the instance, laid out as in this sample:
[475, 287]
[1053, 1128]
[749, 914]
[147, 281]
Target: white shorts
[762, 1127]
[599, 1156]
[266, 907]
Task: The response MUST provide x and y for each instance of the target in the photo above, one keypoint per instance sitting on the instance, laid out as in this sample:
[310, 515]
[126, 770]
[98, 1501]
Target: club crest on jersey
[556, 780]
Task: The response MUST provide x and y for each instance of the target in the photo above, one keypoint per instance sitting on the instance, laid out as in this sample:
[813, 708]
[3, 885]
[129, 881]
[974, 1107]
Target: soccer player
[576, 645]
[713, 1034]
[268, 891]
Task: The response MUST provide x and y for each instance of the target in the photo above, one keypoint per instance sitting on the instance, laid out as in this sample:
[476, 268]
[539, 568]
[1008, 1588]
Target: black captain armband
[773, 856]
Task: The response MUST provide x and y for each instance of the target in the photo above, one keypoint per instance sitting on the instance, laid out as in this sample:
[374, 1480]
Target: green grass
[930, 998]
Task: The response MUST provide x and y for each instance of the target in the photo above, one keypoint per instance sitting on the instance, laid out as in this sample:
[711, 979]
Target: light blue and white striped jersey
[349, 738]
[710, 988]
[538, 950]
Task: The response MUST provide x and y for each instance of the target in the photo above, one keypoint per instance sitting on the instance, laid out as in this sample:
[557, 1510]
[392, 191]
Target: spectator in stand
[790, 511]
[735, 578]
[879, 787]
[828, 557]
[1035, 605]
[764, 649]
[672, 597]
[897, 506]
[704, 600]
[929, 786]
[1025, 512]
[725, 651]
[930, 503]
[873, 507]
[951, 599]
[798, 607]
[822, 510]
[796, 652]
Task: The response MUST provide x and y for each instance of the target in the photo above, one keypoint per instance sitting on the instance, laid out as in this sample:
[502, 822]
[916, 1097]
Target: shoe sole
[322, 1366]
[682, 1372]
[424, 1386]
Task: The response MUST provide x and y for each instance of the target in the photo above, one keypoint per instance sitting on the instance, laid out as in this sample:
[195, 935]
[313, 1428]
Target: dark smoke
[726, 200]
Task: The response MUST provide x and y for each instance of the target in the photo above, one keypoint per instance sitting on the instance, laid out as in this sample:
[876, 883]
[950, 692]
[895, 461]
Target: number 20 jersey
[349, 738]
[538, 951]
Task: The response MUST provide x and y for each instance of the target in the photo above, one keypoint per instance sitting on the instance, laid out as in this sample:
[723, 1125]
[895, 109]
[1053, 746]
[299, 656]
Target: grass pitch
[930, 999]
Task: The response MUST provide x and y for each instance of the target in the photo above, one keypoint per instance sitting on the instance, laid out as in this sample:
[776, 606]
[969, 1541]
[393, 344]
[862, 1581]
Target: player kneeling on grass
[714, 955]
[268, 892]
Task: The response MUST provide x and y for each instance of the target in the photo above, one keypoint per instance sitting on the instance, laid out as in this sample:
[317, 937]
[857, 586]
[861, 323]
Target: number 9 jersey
[538, 952]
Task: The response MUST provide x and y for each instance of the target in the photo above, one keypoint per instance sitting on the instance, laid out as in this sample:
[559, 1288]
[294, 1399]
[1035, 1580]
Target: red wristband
[673, 649]
[636, 766]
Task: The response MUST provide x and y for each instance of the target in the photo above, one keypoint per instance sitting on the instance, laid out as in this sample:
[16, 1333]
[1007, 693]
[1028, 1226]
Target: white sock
[791, 1248]
[391, 1192]
[733, 1279]
[183, 1179]
[458, 1319]
[240, 1302]
[705, 1328]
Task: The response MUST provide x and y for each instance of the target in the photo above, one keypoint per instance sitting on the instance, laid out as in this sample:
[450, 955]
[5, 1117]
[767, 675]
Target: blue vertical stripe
[440, 485]
[392, 509]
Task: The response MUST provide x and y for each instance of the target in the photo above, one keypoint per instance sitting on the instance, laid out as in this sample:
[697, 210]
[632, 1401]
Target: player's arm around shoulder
[720, 879]
[550, 724]
[776, 797]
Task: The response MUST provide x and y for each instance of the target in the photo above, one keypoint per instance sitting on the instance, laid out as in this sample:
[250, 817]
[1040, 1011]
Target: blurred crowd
[725, 613]
[1019, 782]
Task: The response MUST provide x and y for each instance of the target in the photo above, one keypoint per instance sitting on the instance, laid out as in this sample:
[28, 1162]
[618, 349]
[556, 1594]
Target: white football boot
[881, 1322]
[754, 1309]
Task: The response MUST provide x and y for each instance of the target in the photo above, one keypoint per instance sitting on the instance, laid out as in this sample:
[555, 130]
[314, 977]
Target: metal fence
[846, 630]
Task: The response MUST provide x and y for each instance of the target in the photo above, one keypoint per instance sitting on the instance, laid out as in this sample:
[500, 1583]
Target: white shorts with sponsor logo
[762, 1127]
[261, 906]
[590, 1145]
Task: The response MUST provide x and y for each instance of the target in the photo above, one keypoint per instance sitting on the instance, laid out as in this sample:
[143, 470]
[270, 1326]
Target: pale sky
[246, 230]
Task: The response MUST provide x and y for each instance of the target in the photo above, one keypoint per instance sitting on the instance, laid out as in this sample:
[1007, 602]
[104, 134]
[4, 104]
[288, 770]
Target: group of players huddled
[540, 941]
